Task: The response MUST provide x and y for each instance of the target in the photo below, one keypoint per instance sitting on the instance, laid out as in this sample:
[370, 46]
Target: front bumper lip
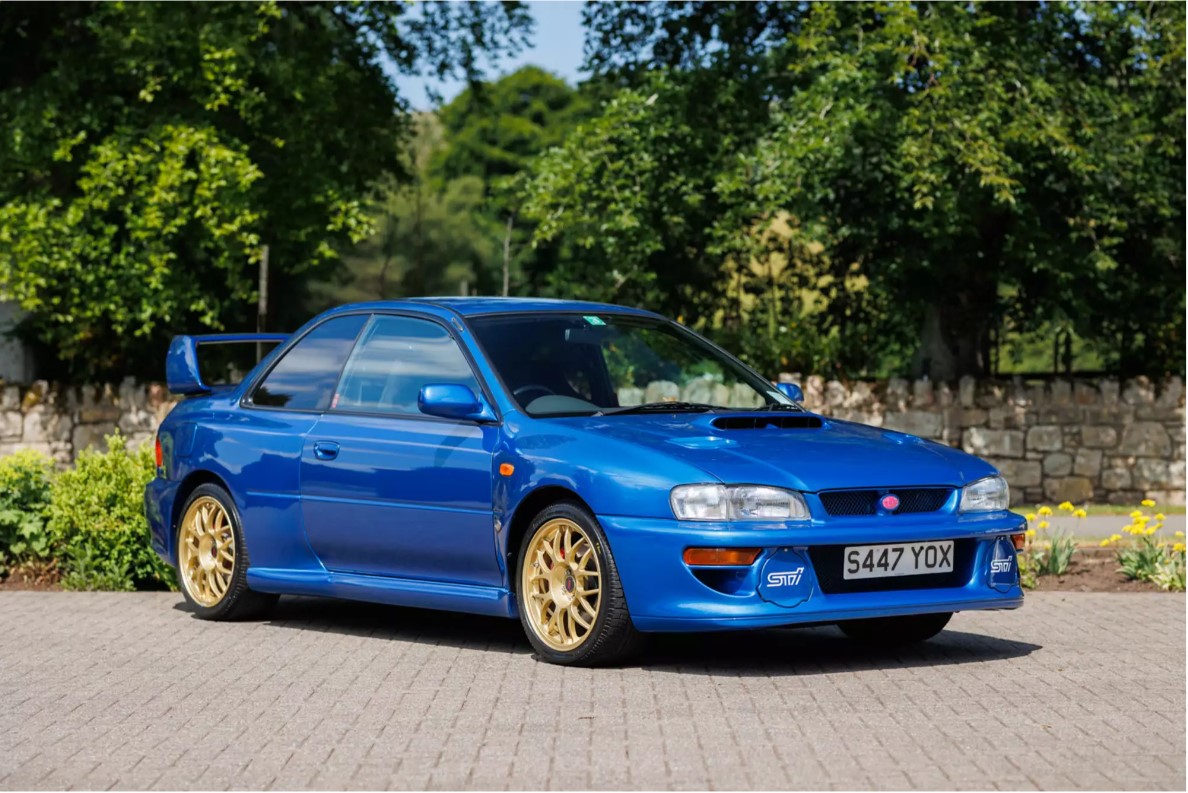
[664, 595]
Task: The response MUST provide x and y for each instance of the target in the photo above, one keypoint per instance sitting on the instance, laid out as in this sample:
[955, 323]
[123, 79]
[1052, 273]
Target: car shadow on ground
[780, 651]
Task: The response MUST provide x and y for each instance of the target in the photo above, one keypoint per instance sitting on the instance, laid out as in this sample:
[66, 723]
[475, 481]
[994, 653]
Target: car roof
[475, 306]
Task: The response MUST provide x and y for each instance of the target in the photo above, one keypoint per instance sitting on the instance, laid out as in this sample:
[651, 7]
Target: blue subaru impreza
[595, 471]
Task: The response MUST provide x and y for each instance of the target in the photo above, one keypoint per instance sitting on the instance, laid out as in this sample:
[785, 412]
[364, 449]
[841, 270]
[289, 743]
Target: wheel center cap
[563, 586]
[207, 552]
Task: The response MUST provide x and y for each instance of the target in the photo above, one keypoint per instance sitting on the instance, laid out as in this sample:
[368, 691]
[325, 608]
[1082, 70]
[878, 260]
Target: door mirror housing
[792, 391]
[452, 401]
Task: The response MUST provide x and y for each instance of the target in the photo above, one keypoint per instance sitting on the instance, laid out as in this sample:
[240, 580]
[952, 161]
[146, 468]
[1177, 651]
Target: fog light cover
[1004, 564]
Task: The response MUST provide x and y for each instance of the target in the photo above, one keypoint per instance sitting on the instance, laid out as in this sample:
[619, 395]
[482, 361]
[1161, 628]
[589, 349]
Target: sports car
[597, 472]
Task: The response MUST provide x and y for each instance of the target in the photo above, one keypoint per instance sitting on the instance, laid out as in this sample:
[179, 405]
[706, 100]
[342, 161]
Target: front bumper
[665, 594]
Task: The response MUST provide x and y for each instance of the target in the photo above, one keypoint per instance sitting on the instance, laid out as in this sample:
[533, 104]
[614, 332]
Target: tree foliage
[152, 148]
[444, 229]
[852, 182]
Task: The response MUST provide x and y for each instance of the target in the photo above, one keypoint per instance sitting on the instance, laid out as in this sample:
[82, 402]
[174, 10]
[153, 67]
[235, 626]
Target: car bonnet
[798, 451]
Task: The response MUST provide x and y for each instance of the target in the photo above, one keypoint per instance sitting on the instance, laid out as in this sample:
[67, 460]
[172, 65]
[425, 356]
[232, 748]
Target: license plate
[908, 558]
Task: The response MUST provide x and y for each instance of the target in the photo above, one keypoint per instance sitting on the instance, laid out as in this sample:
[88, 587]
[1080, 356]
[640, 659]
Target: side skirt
[440, 595]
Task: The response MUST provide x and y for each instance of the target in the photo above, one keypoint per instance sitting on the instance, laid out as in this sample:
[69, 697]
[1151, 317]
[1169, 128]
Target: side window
[304, 378]
[396, 357]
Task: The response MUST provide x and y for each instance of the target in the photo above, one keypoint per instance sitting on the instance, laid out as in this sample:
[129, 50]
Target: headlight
[737, 502]
[986, 495]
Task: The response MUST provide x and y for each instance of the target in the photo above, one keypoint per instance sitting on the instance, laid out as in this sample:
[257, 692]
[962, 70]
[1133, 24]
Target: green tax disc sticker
[594, 320]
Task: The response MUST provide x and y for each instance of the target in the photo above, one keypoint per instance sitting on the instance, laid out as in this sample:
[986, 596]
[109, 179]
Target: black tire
[612, 636]
[237, 602]
[894, 631]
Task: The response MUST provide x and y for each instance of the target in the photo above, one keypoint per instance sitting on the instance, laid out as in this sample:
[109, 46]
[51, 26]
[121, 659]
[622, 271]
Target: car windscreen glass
[569, 364]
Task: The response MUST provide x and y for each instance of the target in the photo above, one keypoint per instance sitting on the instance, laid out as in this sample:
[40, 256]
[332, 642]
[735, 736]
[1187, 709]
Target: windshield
[584, 364]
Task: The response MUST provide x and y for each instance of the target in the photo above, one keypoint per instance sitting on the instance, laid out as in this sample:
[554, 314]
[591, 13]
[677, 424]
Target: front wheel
[890, 631]
[570, 598]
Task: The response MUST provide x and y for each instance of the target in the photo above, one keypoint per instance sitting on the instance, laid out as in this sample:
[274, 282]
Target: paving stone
[129, 691]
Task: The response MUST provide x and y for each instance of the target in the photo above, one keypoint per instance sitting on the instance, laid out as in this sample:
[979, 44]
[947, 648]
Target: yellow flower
[1180, 534]
[1146, 502]
[1045, 511]
[1136, 514]
[1160, 516]
[1030, 532]
[1104, 543]
[1080, 513]
[1043, 524]
[1178, 547]
[1115, 537]
[1030, 517]
[1066, 506]
[1150, 531]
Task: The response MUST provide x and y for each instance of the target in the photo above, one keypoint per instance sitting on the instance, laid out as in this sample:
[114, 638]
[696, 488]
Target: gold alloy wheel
[561, 582]
[207, 552]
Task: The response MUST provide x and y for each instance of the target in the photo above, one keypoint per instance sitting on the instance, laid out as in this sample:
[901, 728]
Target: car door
[387, 490]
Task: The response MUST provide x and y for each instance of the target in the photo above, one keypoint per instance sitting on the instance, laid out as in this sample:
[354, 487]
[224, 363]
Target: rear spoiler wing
[182, 374]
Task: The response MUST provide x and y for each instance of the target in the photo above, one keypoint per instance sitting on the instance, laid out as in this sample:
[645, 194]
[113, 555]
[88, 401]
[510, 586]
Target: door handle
[325, 450]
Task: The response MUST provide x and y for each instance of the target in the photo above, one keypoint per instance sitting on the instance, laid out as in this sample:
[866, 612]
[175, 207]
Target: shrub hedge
[90, 519]
[24, 507]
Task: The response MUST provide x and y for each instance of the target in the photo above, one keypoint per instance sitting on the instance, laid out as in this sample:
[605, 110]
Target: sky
[556, 47]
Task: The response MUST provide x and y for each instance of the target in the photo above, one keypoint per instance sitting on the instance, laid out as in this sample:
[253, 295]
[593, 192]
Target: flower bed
[1145, 558]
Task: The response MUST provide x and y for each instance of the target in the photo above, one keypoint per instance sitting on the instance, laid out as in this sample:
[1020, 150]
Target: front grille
[912, 500]
[829, 565]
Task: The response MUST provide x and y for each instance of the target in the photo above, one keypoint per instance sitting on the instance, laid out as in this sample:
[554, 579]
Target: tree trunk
[955, 336]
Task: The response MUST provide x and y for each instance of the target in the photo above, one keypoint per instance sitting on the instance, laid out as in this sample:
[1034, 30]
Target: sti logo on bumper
[1004, 570]
[786, 578]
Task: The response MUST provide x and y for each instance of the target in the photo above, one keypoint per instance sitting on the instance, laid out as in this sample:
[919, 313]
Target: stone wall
[1081, 441]
[63, 422]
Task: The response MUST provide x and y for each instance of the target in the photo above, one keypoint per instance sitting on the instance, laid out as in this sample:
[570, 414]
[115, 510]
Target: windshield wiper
[660, 407]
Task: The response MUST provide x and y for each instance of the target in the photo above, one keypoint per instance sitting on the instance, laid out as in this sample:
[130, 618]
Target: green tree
[456, 222]
[152, 148]
[431, 236]
[492, 132]
[907, 177]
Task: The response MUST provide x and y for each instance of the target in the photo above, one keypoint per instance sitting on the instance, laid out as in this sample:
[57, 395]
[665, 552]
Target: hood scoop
[795, 422]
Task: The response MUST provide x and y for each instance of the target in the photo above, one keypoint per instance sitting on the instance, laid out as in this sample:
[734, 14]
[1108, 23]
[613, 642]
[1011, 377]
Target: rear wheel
[890, 631]
[212, 559]
[570, 598]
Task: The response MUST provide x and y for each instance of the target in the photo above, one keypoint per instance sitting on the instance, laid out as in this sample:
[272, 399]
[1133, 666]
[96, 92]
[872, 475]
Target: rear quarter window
[305, 377]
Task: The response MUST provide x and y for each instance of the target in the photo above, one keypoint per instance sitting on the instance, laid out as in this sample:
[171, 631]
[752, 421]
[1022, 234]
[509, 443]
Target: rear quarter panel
[255, 454]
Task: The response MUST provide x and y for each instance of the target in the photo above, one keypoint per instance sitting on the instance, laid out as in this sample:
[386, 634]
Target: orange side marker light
[506, 469]
[1019, 540]
[732, 557]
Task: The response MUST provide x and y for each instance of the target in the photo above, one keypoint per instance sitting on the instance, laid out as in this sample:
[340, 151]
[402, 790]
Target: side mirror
[792, 391]
[451, 401]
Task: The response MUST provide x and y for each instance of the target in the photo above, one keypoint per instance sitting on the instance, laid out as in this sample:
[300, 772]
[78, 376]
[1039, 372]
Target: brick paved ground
[128, 690]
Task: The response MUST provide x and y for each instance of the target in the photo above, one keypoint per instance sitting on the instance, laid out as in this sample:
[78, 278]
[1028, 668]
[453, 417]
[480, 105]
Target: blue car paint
[413, 510]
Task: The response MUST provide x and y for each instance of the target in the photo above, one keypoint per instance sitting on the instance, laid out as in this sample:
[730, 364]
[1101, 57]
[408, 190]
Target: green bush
[98, 524]
[24, 501]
